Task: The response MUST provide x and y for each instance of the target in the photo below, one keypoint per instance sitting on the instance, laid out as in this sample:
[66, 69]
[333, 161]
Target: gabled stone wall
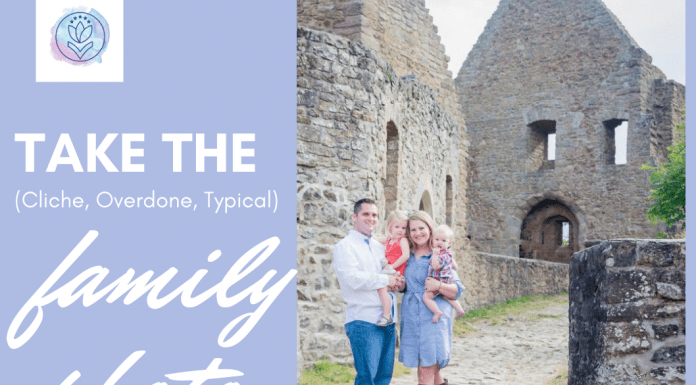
[569, 68]
[627, 313]
[401, 32]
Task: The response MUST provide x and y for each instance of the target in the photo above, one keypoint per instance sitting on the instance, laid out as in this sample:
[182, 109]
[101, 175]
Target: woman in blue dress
[424, 344]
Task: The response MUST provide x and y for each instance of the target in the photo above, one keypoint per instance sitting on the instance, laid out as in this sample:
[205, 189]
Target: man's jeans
[373, 352]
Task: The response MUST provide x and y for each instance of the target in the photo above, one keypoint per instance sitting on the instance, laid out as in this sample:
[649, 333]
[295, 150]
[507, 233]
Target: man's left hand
[396, 282]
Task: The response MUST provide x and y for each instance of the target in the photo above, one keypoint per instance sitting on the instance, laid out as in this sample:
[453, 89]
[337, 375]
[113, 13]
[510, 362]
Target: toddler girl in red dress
[396, 255]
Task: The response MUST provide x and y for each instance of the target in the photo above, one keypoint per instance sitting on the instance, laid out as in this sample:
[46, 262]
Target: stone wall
[350, 105]
[627, 313]
[668, 101]
[401, 32]
[566, 68]
[492, 278]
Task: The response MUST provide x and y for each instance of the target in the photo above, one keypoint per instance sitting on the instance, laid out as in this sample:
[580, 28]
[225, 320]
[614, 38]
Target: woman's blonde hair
[425, 218]
[396, 215]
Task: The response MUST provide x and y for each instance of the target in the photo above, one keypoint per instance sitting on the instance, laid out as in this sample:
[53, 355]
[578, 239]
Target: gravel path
[529, 349]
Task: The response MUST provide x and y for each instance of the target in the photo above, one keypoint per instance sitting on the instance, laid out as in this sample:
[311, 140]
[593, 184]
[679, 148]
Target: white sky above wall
[659, 27]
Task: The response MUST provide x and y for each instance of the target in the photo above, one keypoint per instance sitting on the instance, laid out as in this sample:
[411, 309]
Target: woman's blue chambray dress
[424, 342]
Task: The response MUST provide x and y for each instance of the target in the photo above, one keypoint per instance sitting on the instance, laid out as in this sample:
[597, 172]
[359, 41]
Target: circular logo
[80, 37]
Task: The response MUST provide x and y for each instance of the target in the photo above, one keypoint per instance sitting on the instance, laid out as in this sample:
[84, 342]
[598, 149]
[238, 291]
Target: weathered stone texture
[569, 68]
[401, 32]
[492, 278]
[622, 329]
[349, 99]
[378, 116]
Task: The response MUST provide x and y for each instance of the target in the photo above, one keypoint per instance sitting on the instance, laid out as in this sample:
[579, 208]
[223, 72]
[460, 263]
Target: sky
[657, 26]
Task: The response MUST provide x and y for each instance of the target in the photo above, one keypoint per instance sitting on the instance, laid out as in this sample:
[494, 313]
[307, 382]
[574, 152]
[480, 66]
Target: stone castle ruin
[567, 69]
[380, 116]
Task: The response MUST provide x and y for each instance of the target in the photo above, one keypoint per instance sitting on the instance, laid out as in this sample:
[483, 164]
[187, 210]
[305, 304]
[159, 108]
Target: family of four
[415, 255]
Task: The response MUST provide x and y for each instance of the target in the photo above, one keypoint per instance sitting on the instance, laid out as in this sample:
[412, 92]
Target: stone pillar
[627, 313]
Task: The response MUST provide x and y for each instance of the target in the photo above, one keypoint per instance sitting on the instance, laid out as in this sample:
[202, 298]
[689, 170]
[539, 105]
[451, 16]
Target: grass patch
[329, 373]
[462, 328]
[496, 313]
[561, 379]
[548, 316]
[326, 372]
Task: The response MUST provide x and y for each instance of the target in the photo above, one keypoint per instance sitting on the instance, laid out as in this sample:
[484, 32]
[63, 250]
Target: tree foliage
[668, 184]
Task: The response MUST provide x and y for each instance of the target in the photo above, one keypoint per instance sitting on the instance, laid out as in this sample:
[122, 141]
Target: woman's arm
[449, 290]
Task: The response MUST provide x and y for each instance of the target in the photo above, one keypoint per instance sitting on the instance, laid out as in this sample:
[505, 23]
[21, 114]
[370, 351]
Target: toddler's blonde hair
[447, 231]
[396, 215]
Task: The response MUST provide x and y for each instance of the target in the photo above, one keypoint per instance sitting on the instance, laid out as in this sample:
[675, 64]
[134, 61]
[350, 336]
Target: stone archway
[542, 233]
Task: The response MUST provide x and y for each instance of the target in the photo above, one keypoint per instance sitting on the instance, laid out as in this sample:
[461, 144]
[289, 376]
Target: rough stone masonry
[379, 115]
[627, 313]
[569, 70]
[361, 132]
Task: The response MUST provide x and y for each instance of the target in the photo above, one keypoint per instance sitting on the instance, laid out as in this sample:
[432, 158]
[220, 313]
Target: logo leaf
[78, 31]
[86, 34]
[73, 35]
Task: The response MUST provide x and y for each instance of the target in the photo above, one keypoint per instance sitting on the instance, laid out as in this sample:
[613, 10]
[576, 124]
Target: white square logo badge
[78, 42]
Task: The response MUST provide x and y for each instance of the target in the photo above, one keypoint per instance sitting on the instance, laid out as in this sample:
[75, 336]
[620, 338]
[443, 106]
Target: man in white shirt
[357, 261]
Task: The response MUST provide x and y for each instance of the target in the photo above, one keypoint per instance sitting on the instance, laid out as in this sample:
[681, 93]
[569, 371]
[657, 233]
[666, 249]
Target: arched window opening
[426, 204]
[549, 232]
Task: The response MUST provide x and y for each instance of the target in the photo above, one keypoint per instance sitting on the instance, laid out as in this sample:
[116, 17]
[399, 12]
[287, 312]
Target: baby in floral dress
[441, 265]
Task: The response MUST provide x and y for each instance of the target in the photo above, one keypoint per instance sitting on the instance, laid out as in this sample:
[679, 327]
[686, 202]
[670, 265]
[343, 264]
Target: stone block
[670, 291]
[670, 354]
[310, 211]
[662, 332]
[626, 338]
[658, 254]
[639, 310]
[621, 252]
[627, 286]
[311, 194]
[329, 195]
[669, 374]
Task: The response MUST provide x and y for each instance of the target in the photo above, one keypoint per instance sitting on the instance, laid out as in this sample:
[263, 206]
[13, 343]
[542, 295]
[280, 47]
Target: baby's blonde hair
[445, 230]
[396, 215]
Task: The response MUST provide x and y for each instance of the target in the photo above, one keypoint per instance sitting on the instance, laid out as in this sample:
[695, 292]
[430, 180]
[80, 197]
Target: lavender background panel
[690, 185]
[210, 68]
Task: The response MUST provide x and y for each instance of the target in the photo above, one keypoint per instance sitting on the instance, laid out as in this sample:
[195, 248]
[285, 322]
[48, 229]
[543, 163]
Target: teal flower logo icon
[80, 38]
[80, 34]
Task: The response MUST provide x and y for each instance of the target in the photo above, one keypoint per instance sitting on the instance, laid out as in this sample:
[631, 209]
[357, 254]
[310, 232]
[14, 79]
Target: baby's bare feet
[436, 317]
